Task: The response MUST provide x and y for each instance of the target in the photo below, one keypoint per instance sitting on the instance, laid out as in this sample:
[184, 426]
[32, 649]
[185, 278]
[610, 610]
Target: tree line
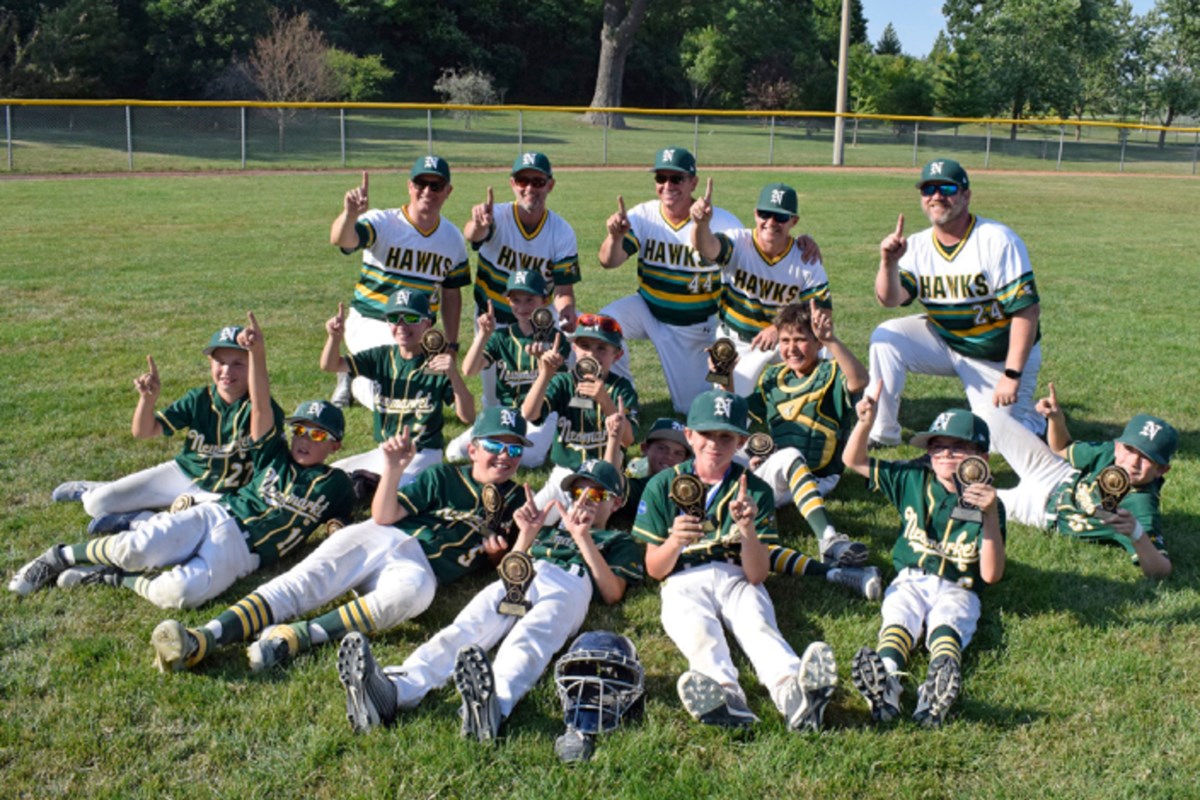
[1009, 58]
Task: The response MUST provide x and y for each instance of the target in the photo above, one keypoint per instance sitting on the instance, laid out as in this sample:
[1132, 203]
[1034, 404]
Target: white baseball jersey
[754, 286]
[398, 254]
[549, 248]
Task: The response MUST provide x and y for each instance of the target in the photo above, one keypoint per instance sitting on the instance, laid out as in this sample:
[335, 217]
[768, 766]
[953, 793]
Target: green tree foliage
[357, 78]
[889, 43]
[1168, 68]
[193, 41]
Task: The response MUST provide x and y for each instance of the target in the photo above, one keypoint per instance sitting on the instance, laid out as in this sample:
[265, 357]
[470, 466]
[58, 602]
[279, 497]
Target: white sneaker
[815, 683]
[708, 702]
[838, 551]
[865, 581]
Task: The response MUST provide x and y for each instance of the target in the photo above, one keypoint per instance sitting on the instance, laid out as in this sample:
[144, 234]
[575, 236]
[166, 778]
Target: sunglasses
[496, 448]
[778, 216]
[593, 493]
[528, 180]
[407, 319]
[944, 189]
[316, 434]
[950, 449]
[433, 186]
[606, 324]
[674, 179]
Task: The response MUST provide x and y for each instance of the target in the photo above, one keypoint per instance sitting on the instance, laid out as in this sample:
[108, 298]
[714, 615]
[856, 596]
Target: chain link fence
[81, 137]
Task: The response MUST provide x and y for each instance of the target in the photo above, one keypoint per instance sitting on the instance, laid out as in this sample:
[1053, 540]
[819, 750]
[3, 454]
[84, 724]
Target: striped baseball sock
[895, 644]
[352, 616]
[97, 551]
[945, 641]
[242, 621]
[807, 497]
[786, 561]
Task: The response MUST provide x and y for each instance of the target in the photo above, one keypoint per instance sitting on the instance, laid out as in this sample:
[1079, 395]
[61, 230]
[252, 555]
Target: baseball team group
[772, 409]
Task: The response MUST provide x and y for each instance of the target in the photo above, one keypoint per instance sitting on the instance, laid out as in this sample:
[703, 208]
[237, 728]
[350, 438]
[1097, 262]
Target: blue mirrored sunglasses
[944, 189]
[496, 448]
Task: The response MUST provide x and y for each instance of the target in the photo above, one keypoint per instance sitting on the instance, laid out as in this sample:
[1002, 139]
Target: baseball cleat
[370, 696]
[838, 551]
[341, 397]
[816, 680]
[39, 572]
[709, 703]
[865, 581]
[477, 686]
[880, 688]
[177, 648]
[72, 491]
[112, 523]
[574, 746]
[938, 692]
[277, 644]
[89, 575]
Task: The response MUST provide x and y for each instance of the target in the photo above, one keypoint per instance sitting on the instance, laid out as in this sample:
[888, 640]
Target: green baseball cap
[674, 159]
[430, 165]
[226, 337]
[944, 170]
[778, 198]
[598, 326]
[669, 430]
[322, 414]
[408, 301]
[602, 472]
[957, 423]
[719, 410]
[533, 161]
[500, 421]
[526, 280]
[1151, 436]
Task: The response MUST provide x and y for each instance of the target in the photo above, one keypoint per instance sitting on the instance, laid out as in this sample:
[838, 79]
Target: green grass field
[1080, 682]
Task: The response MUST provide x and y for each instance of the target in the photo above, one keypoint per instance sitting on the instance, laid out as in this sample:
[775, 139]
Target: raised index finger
[253, 321]
[364, 182]
[900, 225]
[153, 368]
[742, 487]
[708, 191]
[490, 197]
[1053, 396]
[341, 310]
[621, 205]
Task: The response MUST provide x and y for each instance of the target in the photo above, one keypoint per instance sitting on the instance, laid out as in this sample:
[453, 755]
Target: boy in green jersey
[950, 545]
[206, 547]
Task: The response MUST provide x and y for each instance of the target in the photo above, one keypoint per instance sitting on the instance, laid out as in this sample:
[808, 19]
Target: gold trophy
[760, 445]
[182, 503]
[1113, 483]
[688, 493]
[971, 470]
[493, 504]
[543, 325]
[433, 342]
[723, 355]
[586, 368]
[516, 571]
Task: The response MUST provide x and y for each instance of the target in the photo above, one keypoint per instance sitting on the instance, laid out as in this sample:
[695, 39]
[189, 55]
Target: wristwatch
[1015, 374]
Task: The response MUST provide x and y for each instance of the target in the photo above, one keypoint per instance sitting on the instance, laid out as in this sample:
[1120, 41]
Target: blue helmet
[599, 681]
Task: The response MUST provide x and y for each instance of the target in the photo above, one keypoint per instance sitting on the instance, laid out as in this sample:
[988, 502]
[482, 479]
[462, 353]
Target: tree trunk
[616, 39]
[1018, 104]
[1162, 135]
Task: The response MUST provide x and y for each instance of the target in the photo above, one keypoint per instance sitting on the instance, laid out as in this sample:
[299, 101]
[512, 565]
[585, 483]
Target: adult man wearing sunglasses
[676, 300]
[411, 247]
[765, 269]
[981, 323]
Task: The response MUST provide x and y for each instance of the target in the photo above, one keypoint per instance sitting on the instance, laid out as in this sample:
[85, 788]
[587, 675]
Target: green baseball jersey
[581, 433]
[929, 539]
[657, 511]
[516, 370]
[971, 290]
[1069, 501]
[624, 556]
[285, 502]
[635, 486]
[216, 452]
[445, 512]
[405, 394]
[812, 413]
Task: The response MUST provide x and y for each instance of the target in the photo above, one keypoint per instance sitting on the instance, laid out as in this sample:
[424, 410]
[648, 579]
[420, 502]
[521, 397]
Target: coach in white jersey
[413, 247]
[763, 270]
[676, 301]
[522, 235]
[974, 278]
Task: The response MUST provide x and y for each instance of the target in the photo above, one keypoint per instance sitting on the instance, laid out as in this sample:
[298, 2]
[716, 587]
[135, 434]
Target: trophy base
[513, 609]
[724, 380]
[962, 514]
[585, 403]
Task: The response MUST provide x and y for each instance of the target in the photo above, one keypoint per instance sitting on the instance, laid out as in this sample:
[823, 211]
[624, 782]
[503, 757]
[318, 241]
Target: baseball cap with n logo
[1153, 437]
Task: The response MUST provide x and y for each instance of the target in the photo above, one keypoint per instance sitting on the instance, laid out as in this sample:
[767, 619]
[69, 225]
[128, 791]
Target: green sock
[895, 644]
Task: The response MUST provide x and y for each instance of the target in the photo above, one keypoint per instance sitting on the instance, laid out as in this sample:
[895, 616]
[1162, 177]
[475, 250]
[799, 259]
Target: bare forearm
[464, 402]
[992, 555]
[856, 374]
[331, 355]
[705, 242]
[755, 558]
[661, 558]
[1022, 335]
[888, 290]
[854, 455]
[145, 425]
[342, 233]
[612, 252]
[452, 312]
